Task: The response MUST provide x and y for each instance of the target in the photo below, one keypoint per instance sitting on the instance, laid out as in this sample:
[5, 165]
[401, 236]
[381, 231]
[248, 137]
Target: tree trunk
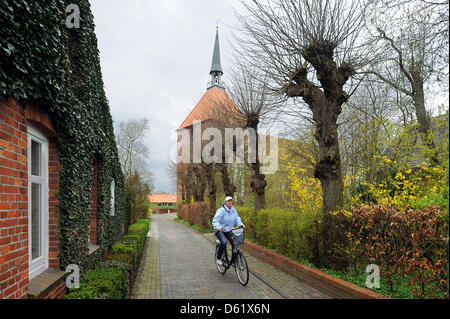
[228, 187]
[212, 188]
[325, 102]
[328, 171]
[422, 117]
[189, 183]
[200, 183]
[258, 183]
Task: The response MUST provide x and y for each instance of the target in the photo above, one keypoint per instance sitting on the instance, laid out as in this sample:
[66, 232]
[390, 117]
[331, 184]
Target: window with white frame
[113, 202]
[37, 201]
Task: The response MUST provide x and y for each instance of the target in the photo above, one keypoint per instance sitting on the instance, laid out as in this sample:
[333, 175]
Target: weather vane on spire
[217, 25]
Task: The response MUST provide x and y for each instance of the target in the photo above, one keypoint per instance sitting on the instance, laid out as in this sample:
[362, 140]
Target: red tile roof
[212, 102]
[162, 198]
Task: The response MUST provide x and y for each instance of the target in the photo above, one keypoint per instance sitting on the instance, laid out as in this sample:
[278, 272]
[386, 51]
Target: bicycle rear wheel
[242, 268]
[221, 268]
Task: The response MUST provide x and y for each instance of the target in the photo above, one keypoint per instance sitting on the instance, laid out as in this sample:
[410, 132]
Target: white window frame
[113, 198]
[40, 264]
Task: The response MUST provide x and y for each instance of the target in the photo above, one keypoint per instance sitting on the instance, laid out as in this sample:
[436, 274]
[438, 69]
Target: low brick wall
[163, 210]
[196, 213]
[57, 292]
[51, 284]
[330, 285]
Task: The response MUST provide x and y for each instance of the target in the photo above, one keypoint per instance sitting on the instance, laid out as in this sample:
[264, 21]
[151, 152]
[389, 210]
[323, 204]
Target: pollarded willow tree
[310, 50]
[249, 91]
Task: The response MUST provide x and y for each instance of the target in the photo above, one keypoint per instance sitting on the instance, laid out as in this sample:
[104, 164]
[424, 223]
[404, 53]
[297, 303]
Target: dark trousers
[222, 236]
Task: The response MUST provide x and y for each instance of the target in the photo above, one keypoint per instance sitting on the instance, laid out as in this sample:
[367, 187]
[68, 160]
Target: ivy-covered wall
[44, 63]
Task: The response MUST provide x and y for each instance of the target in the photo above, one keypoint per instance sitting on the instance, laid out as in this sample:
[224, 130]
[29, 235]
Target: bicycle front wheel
[221, 268]
[242, 268]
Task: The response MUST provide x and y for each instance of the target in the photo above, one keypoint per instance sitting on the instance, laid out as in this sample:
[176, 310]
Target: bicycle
[240, 263]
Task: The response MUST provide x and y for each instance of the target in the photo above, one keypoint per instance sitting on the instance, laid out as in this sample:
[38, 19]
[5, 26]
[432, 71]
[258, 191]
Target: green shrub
[126, 258]
[248, 215]
[287, 231]
[105, 283]
[144, 221]
[139, 229]
[122, 248]
[95, 290]
[136, 240]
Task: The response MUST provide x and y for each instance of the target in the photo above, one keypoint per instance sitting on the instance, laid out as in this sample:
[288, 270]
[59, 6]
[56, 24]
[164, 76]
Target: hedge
[112, 281]
[101, 283]
[123, 253]
[287, 231]
[132, 243]
[402, 243]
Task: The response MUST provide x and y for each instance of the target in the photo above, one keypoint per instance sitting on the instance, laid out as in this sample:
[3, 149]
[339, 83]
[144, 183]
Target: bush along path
[114, 277]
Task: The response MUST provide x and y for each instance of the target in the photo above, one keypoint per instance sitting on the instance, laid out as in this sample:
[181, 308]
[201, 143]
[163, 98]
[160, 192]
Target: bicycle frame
[225, 255]
[240, 263]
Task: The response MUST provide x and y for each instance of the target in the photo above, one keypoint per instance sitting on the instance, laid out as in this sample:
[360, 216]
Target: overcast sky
[155, 58]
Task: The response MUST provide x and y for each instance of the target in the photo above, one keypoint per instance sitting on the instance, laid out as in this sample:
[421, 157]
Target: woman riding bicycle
[224, 219]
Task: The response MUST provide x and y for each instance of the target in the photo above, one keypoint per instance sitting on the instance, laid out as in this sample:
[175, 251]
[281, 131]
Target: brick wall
[163, 210]
[14, 258]
[58, 291]
[326, 283]
[13, 201]
[196, 213]
[53, 203]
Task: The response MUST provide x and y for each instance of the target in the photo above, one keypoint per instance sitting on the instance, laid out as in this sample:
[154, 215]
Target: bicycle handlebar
[230, 227]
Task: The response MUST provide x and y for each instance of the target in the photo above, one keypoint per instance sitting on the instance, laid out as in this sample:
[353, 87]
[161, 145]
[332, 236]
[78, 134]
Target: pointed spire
[216, 67]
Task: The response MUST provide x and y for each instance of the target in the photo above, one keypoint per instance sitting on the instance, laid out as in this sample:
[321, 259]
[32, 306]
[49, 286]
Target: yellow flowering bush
[304, 192]
[408, 188]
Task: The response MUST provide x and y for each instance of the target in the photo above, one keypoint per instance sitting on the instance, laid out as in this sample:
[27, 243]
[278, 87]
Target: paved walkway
[178, 262]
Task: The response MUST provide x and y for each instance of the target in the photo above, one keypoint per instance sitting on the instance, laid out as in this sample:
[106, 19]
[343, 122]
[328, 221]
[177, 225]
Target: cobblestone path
[178, 262]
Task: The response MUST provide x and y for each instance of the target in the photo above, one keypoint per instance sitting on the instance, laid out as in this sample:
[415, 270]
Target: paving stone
[178, 262]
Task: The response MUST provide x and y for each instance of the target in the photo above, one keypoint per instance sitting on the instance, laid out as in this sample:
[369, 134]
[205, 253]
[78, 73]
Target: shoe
[219, 262]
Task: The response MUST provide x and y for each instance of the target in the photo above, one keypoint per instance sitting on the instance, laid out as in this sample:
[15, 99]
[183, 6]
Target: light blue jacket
[225, 217]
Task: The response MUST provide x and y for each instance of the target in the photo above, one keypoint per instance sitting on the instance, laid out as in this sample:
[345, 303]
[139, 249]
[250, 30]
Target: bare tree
[308, 49]
[248, 89]
[171, 169]
[133, 156]
[413, 53]
[133, 153]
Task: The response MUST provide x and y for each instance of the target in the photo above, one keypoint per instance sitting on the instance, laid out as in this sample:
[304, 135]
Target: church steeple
[216, 67]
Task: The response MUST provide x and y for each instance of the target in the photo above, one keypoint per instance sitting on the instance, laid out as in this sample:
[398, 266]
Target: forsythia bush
[416, 188]
[304, 192]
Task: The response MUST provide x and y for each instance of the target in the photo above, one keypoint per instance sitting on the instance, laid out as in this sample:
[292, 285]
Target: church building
[214, 109]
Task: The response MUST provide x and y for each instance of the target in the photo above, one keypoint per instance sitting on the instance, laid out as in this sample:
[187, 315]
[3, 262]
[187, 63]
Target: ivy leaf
[10, 49]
